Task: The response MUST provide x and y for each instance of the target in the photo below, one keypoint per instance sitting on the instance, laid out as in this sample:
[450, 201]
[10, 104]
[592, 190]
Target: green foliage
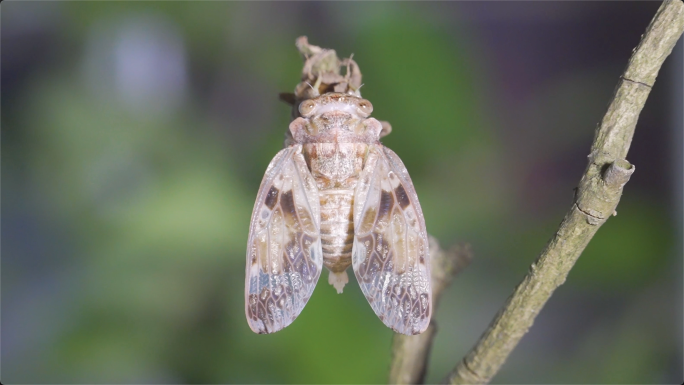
[151, 208]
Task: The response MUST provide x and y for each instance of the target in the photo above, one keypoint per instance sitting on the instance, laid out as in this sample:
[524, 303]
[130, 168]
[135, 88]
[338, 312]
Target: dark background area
[135, 136]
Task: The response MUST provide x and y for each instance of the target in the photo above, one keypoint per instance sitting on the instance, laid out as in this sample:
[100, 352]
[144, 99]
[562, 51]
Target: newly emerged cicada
[337, 197]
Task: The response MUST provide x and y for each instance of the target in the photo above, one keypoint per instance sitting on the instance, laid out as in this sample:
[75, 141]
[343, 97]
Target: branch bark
[596, 198]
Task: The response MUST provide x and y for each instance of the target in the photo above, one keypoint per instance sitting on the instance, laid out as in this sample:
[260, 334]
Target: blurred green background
[135, 136]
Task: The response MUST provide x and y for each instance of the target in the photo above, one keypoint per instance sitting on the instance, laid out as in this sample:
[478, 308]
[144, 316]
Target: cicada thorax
[336, 168]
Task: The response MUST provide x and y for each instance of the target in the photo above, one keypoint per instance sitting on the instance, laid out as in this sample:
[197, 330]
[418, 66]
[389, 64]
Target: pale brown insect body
[335, 198]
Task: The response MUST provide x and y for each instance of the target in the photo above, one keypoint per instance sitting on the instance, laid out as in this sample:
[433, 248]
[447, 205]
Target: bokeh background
[135, 136]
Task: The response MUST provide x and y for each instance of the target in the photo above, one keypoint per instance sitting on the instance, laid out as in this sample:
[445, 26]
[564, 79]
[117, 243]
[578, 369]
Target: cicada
[336, 197]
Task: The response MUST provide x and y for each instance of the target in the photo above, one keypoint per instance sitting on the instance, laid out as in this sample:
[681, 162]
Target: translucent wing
[284, 255]
[390, 251]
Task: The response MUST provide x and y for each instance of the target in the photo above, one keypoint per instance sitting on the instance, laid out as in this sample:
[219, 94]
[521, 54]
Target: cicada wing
[284, 254]
[390, 255]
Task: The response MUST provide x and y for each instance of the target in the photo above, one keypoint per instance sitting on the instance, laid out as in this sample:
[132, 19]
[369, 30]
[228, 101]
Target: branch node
[618, 173]
[593, 217]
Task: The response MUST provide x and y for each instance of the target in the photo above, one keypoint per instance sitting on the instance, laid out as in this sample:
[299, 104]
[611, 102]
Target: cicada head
[335, 117]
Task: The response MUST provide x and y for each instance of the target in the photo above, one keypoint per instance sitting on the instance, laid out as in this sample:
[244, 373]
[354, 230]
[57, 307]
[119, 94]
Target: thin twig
[597, 197]
[410, 353]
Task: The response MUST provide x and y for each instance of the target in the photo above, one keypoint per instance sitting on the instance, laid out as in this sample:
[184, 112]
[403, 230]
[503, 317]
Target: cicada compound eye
[307, 107]
[365, 107]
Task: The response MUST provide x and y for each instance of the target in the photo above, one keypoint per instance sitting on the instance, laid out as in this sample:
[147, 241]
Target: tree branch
[596, 198]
